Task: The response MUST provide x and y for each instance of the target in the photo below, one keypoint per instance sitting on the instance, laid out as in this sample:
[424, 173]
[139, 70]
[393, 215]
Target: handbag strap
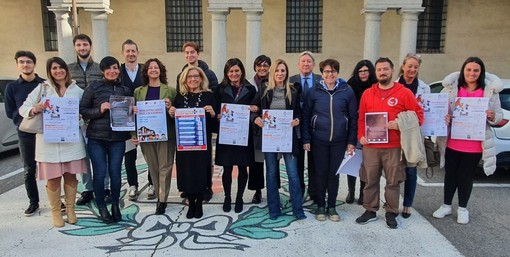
[42, 91]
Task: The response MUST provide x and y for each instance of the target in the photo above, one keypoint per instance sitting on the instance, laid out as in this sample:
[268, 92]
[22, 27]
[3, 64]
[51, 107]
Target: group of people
[329, 120]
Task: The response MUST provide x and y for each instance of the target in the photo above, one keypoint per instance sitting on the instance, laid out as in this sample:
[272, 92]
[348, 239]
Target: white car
[8, 134]
[501, 131]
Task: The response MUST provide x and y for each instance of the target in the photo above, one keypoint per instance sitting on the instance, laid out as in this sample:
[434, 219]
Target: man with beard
[15, 94]
[391, 98]
[131, 77]
[85, 71]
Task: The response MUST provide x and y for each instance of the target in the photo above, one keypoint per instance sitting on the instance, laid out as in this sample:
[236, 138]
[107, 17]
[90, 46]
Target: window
[431, 27]
[49, 27]
[304, 26]
[183, 23]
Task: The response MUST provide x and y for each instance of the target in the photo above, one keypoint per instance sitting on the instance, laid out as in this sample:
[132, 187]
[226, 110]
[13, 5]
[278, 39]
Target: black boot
[362, 187]
[227, 204]
[257, 197]
[160, 208]
[199, 211]
[192, 200]
[116, 215]
[104, 215]
[351, 184]
[239, 204]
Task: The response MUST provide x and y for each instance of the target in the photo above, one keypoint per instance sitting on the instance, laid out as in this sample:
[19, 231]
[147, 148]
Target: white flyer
[61, 120]
[435, 108]
[277, 131]
[469, 118]
[234, 124]
[351, 163]
[151, 121]
[122, 117]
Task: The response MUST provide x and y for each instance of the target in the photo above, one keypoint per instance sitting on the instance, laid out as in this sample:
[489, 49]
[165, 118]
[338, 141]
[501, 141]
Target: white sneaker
[462, 216]
[151, 194]
[132, 193]
[443, 211]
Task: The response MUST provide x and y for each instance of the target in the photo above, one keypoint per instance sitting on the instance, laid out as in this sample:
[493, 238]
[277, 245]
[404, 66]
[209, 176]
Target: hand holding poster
[191, 129]
[277, 131]
[376, 127]
[151, 121]
[61, 120]
[121, 113]
[469, 118]
[234, 124]
[435, 108]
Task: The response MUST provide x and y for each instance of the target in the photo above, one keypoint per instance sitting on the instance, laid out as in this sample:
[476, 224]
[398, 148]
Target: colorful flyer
[151, 121]
[435, 108]
[277, 131]
[190, 129]
[469, 118]
[122, 117]
[61, 120]
[234, 124]
[376, 127]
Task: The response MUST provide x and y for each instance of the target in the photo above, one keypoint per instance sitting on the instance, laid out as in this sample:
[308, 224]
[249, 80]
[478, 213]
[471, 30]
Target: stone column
[409, 32]
[219, 41]
[64, 34]
[252, 39]
[100, 41]
[372, 34]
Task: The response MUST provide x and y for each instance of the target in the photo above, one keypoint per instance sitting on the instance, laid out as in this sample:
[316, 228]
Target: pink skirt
[46, 170]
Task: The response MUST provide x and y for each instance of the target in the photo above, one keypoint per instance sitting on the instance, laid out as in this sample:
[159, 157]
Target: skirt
[46, 170]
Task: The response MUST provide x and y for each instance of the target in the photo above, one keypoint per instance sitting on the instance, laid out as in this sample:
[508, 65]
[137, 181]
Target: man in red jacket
[383, 152]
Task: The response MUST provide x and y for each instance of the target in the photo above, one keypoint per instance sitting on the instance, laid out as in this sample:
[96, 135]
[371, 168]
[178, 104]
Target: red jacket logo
[392, 101]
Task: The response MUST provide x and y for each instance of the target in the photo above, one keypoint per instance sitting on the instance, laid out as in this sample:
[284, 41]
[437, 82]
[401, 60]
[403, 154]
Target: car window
[504, 97]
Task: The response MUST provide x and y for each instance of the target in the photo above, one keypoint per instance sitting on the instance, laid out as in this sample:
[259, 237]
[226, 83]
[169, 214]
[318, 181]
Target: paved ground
[250, 233]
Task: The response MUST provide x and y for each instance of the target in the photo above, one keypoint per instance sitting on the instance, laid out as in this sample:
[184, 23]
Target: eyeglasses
[193, 76]
[25, 62]
[363, 71]
[264, 65]
[327, 72]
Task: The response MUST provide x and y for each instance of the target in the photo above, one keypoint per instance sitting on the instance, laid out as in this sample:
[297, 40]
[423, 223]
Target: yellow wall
[474, 28]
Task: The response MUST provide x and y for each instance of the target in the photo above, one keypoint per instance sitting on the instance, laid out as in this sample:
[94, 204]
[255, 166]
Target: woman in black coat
[235, 89]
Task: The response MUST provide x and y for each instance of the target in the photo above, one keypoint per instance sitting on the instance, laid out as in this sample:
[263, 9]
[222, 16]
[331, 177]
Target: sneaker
[32, 208]
[333, 215]
[443, 211]
[107, 196]
[366, 217]
[151, 194]
[320, 214]
[462, 216]
[133, 193]
[391, 220]
[86, 197]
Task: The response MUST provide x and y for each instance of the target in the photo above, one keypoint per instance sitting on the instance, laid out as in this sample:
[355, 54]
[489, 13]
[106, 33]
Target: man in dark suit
[131, 76]
[306, 79]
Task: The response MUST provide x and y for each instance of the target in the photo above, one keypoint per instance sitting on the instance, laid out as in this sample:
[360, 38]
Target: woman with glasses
[330, 115]
[363, 76]
[57, 160]
[159, 155]
[193, 167]
[235, 89]
[256, 174]
[409, 78]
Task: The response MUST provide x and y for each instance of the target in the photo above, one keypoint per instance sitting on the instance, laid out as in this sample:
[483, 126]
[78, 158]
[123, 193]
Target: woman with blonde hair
[194, 167]
[57, 160]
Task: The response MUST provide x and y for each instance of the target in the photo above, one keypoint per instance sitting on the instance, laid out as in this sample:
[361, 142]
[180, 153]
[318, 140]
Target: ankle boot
[350, 197]
[116, 214]
[227, 204]
[192, 200]
[362, 187]
[351, 184]
[104, 215]
[70, 195]
[238, 207]
[199, 211]
[55, 203]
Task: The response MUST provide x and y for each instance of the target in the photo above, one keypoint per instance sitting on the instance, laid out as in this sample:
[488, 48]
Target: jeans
[410, 186]
[106, 156]
[27, 154]
[86, 178]
[273, 172]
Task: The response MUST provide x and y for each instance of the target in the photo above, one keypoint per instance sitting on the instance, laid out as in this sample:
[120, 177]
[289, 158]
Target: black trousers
[328, 157]
[312, 192]
[130, 166]
[459, 169]
[27, 154]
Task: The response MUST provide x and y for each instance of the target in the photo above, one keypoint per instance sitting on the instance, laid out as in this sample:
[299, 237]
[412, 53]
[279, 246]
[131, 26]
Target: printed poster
[469, 118]
[234, 124]
[122, 117]
[151, 121]
[435, 108]
[61, 120]
[277, 131]
[376, 127]
[190, 125]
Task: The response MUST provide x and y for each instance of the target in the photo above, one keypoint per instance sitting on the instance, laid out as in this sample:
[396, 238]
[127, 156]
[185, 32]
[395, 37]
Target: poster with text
[61, 120]
[190, 125]
[469, 118]
[234, 124]
[151, 121]
[277, 131]
[122, 117]
[376, 127]
[435, 108]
